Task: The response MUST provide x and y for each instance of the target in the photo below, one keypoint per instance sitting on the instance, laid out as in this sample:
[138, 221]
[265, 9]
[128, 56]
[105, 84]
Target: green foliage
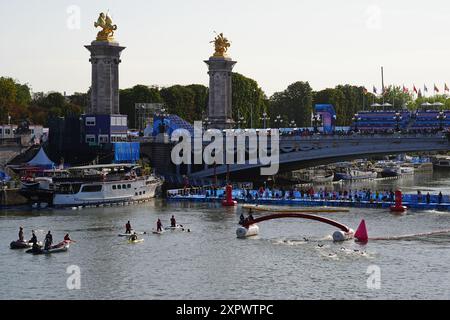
[294, 103]
[200, 99]
[137, 94]
[248, 100]
[394, 95]
[179, 100]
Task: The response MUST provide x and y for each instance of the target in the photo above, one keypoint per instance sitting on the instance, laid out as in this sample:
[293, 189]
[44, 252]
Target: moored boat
[442, 164]
[104, 184]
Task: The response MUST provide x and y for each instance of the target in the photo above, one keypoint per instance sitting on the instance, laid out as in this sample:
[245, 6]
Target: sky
[324, 42]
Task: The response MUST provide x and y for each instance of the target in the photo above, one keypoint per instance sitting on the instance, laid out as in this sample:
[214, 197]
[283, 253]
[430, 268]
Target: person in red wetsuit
[159, 225]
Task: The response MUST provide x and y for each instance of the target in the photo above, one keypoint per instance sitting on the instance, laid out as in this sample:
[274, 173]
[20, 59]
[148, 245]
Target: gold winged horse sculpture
[108, 28]
[221, 45]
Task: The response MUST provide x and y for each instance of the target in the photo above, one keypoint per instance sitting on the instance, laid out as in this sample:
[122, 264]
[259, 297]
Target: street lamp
[278, 121]
[264, 118]
[441, 117]
[355, 120]
[240, 122]
[292, 124]
[206, 123]
[398, 117]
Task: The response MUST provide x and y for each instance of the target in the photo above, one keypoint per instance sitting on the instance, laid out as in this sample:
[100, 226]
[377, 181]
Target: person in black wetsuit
[133, 237]
[173, 222]
[250, 216]
[48, 241]
[21, 234]
[128, 227]
[241, 219]
[159, 225]
[33, 239]
[440, 198]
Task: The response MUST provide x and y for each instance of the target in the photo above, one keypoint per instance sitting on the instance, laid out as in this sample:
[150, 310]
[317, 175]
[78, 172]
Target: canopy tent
[41, 160]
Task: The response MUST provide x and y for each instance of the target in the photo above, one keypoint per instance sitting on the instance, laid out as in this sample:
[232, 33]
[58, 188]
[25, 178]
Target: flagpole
[382, 83]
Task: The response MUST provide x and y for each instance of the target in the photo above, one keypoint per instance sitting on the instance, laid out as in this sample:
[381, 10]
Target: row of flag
[414, 90]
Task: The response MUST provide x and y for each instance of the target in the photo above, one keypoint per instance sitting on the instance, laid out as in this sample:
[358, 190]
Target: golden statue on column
[108, 28]
[221, 45]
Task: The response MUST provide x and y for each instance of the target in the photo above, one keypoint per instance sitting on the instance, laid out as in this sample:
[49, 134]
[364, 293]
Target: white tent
[41, 159]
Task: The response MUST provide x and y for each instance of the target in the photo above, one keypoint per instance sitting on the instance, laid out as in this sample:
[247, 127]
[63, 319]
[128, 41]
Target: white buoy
[242, 232]
[340, 236]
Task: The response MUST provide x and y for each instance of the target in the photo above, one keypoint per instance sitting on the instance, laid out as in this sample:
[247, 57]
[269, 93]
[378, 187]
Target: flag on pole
[446, 88]
[420, 93]
[425, 89]
[374, 90]
[405, 89]
[436, 88]
[415, 89]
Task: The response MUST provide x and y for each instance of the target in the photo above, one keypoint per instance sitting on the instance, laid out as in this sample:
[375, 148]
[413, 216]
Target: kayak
[135, 241]
[60, 247]
[22, 244]
[129, 234]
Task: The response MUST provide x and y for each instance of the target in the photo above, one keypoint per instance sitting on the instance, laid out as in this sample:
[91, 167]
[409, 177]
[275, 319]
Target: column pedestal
[219, 107]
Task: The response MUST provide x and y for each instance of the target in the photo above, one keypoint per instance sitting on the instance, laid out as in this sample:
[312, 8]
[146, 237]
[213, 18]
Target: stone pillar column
[105, 59]
[219, 106]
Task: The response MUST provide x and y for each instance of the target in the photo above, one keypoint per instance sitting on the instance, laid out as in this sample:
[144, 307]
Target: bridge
[298, 152]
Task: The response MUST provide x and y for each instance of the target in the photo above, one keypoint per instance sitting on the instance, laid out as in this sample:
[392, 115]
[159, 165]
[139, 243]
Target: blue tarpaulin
[126, 151]
[4, 176]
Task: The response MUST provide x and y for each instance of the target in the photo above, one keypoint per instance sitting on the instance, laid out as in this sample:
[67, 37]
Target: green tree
[395, 96]
[180, 100]
[248, 100]
[138, 94]
[294, 103]
[200, 99]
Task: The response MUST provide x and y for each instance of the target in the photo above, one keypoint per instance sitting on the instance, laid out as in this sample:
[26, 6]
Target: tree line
[294, 104]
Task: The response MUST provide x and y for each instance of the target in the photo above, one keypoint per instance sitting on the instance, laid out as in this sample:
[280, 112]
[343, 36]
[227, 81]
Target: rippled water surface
[211, 263]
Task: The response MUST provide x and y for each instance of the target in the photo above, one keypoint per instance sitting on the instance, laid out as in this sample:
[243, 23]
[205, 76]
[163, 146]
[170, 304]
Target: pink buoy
[398, 207]
[229, 202]
[361, 233]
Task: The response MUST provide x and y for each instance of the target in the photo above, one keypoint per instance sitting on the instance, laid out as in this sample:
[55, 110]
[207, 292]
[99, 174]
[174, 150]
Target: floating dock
[319, 202]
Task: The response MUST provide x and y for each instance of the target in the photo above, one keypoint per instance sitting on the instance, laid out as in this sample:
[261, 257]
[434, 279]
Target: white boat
[103, 184]
[406, 170]
[354, 174]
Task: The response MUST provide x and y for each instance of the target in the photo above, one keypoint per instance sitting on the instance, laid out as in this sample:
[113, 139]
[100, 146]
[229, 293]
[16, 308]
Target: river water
[211, 263]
